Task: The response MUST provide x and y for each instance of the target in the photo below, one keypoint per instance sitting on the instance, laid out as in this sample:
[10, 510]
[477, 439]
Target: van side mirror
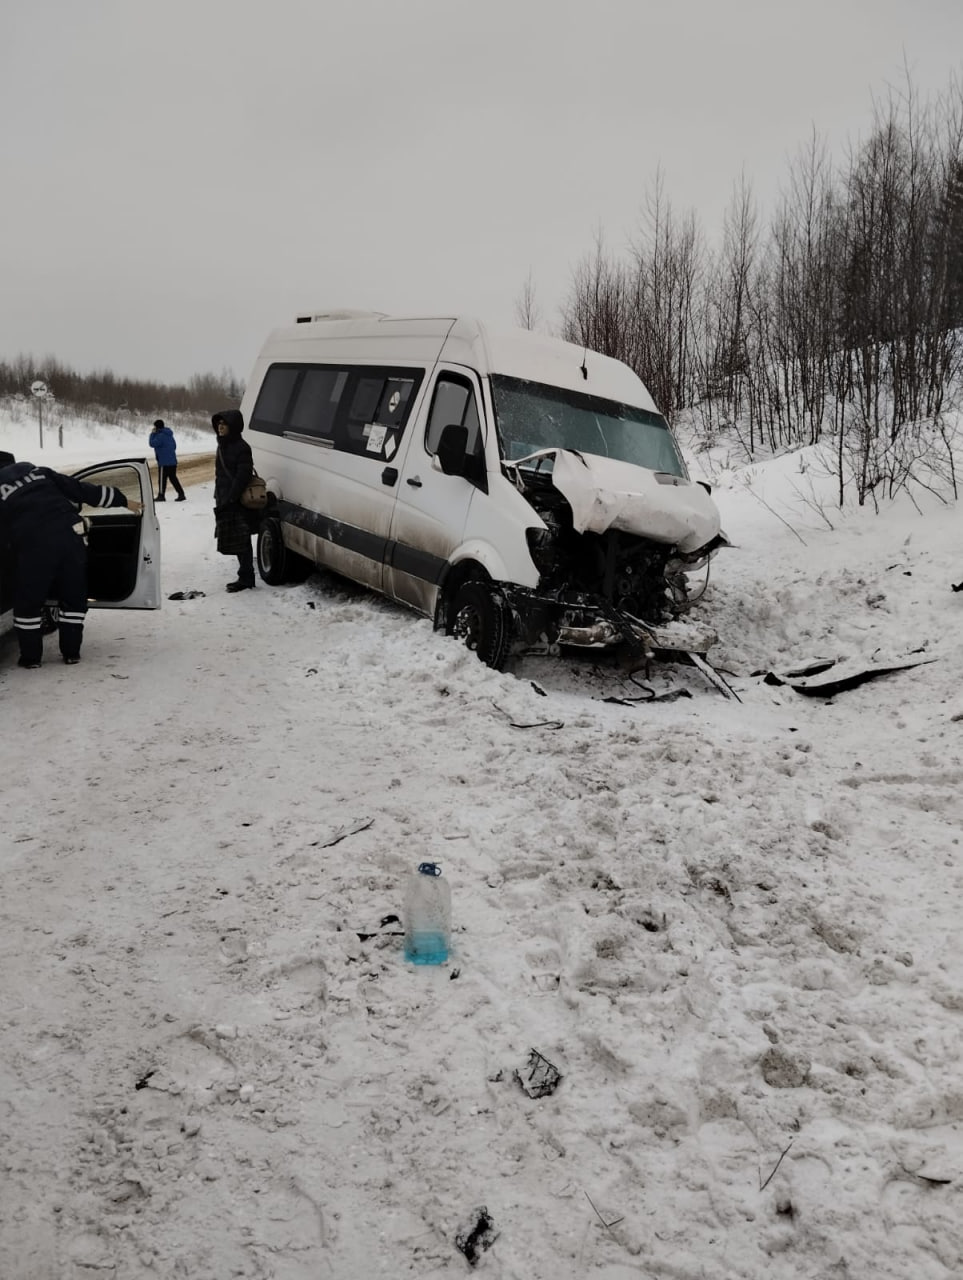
[452, 449]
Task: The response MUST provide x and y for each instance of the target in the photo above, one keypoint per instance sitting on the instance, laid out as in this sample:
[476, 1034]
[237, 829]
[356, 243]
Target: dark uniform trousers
[54, 568]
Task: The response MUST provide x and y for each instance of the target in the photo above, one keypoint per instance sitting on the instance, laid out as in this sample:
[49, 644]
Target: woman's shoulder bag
[254, 497]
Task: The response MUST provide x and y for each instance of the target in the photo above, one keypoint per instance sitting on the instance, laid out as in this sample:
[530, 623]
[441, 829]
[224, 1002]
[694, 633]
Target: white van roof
[373, 335]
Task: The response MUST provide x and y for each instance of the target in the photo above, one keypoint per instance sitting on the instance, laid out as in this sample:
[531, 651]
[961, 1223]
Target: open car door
[123, 548]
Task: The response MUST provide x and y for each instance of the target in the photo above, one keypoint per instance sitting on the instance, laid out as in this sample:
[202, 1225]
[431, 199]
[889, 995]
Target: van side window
[273, 399]
[453, 402]
[376, 417]
[316, 405]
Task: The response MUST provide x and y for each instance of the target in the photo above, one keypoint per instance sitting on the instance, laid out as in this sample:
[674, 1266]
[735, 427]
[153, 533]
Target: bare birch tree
[528, 314]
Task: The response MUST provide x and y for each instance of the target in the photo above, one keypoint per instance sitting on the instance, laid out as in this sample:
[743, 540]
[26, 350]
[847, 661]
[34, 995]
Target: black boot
[160, 498]
[239, 586]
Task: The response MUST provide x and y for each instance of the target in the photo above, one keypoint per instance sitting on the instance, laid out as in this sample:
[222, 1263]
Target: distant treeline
[839, 319]
[205, 392]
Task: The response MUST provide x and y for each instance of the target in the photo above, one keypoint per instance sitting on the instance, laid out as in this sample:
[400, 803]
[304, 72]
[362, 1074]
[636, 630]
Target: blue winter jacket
[162, 441]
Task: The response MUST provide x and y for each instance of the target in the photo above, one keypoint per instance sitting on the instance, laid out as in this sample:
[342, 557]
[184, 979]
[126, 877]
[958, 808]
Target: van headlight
[541, 547]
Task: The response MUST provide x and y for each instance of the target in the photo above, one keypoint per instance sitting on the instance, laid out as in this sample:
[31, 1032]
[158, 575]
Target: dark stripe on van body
[344, 535]
[417, 564]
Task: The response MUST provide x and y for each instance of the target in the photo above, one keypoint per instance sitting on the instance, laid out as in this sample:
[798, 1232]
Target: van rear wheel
[483, 622]
[275, 563]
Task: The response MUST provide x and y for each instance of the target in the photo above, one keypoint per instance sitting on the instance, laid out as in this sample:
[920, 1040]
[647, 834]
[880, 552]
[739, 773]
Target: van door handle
[414, 481]
[389, 475]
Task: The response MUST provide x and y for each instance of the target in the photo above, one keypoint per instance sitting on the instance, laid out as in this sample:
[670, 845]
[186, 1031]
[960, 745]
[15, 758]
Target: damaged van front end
[619, 524]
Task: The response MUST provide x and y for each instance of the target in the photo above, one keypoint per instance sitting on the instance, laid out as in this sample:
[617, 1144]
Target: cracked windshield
[532, 417]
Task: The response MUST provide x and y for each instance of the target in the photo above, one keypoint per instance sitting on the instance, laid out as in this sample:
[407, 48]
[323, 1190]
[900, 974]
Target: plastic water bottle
[427, 916]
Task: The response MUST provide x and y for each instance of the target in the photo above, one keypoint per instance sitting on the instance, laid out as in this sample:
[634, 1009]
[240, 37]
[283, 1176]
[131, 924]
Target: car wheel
[49, 619]
[271, 553]
[483, 622]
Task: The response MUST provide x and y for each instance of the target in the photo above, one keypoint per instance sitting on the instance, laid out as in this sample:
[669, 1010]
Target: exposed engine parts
[593, 581]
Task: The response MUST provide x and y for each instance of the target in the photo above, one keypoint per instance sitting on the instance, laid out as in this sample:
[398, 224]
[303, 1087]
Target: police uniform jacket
[40, 505]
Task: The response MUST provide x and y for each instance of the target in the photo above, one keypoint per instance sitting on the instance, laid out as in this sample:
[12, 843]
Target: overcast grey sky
[181, 176]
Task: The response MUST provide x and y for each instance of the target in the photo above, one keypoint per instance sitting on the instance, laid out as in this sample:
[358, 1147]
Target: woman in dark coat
[233, 469]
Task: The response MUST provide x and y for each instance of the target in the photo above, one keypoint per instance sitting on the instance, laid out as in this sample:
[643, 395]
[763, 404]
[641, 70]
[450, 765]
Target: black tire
[49, 619]
[272, 554]
[483, 622]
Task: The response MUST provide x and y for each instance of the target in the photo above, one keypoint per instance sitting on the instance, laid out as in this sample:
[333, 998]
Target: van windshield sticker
[376, 437]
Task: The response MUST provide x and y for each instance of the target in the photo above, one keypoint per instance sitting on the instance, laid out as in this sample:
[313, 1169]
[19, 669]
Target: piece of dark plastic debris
[186, 595]
[143, 1081]
[477, 1236]
[826, 677]
[797, 673]
[535, 724]
[669, 696]
[538, 1077]
[342, 833]
[382, 931]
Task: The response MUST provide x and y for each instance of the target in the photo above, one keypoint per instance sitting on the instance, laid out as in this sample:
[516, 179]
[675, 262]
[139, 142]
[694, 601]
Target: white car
[123, 547]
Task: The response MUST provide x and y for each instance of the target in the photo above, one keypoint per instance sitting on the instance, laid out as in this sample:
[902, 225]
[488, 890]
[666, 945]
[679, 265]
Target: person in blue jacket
[40, 520]
[162, 441]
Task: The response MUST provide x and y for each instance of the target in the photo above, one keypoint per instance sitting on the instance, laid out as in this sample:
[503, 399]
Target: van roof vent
[310, 317]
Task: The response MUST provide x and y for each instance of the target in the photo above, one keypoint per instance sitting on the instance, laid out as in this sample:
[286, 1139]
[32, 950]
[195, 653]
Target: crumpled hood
[605, 493]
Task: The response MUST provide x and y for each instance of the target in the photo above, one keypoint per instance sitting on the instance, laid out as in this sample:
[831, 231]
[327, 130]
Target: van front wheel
[483, 622]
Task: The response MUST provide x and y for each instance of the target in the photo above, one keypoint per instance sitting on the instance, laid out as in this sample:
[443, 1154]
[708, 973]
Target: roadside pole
[38, 390]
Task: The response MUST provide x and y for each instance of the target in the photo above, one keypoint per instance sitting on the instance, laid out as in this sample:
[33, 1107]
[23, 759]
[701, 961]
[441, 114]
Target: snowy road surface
[733, 928]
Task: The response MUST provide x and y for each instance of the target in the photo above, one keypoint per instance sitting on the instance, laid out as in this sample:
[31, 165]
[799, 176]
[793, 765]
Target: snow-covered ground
[733, 927]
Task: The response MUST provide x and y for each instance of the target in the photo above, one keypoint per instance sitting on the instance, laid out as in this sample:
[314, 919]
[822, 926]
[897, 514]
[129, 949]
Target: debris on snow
[538, 1077]
[827, 676]
[478, 1235]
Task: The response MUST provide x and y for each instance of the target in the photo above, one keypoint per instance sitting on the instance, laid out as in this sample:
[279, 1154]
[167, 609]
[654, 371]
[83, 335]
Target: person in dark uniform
[39, 517]
[162, 441]
[233, 469]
